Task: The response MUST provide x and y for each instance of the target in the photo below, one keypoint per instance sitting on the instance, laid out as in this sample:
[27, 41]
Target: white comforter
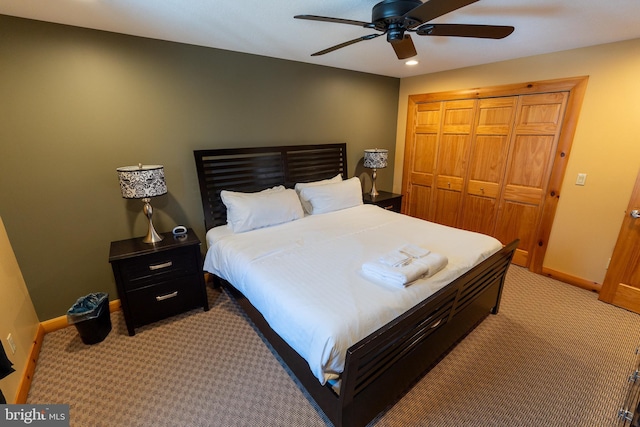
[305, 276]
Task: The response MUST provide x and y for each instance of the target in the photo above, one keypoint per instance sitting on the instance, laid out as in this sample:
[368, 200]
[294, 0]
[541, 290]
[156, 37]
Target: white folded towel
[406, 273]
[395, 259]
[435, 262]
[414, 251]
[403, 255]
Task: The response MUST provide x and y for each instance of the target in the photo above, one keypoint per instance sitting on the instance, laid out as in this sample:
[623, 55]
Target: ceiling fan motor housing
[388, 15]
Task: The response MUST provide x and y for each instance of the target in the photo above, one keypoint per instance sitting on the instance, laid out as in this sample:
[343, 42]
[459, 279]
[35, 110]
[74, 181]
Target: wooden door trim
[569, 125]
[576, 86]
[527, 88]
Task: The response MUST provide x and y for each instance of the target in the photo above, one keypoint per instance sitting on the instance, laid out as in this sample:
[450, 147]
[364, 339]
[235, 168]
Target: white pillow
[248, 211]
[271, 190]
[333, 197]
[302, 185]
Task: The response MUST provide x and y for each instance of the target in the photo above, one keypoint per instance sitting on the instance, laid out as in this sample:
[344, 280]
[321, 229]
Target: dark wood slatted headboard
[254, 169]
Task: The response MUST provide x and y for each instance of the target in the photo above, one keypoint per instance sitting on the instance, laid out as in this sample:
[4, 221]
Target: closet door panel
[483, 189]
[425, 153]
[446, 207]
[541, 114]
[517, 193]
[479, 214]
[489, 149]
[422, 152]
[449, 183]
[531, 160]
[528, 167]
[428, 117]
[488, 158]
[452, 160]
[422, 175]
[518, 221]
[418, 205]
[452, 154]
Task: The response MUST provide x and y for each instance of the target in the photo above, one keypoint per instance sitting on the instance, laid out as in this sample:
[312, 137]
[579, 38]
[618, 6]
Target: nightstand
[158, 280]
[389, 201]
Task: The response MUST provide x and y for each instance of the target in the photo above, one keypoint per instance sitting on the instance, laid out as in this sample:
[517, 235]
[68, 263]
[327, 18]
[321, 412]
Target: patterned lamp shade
[375, 158]
[140, 182]
[143, 182]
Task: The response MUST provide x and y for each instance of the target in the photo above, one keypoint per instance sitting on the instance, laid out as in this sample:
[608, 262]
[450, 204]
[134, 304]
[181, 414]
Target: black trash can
[90, 315]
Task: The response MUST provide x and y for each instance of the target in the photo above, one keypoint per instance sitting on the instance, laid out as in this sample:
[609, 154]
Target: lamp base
[152, 236]
[373, 193]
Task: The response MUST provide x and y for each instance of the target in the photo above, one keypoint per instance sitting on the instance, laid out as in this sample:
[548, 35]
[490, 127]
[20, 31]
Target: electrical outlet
[12, 344]
[582, 177]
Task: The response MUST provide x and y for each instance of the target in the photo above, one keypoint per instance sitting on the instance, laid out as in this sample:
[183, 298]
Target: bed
[354, 381]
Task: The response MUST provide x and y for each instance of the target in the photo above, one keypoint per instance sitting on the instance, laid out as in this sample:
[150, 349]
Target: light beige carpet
[553, 356]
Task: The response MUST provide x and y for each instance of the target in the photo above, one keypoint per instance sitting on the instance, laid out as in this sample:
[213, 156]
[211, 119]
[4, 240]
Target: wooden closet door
[421, 155]
[525, 197]
[535, 136]
[621, 285]
[494, 119]
[452, 160]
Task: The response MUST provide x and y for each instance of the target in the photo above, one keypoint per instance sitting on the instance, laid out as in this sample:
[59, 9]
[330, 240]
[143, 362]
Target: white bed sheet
[305, 276]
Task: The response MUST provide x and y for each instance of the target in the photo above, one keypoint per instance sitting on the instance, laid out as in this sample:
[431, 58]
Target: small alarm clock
[179, 231]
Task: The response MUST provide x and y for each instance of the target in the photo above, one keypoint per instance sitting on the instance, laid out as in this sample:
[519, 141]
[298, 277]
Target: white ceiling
[267, 28]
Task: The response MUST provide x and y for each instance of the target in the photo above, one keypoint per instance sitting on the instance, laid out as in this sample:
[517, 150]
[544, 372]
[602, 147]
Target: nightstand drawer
[143, 270]
[391, 205]
[164, 299]
[386, 200]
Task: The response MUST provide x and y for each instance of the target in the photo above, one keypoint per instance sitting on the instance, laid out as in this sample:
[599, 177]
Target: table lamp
[375, 158]
[143, 182]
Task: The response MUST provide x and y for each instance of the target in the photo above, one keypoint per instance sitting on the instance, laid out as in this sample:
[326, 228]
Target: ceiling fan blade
[335, 20]
[432, 9]
[465, 30]
[404, 48]
[345, 44]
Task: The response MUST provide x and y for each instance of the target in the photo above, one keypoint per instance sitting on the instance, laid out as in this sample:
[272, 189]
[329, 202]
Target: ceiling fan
[397, 17]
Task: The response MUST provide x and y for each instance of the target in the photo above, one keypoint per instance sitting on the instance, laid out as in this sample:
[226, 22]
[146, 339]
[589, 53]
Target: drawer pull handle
[159, 266]
[167, 296]
[435, 325]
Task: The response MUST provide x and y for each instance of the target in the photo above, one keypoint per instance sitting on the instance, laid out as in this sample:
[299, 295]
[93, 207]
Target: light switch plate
[12, 344]
[582, 178]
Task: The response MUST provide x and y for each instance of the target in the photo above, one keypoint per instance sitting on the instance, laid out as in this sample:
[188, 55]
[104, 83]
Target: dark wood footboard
[380, 367]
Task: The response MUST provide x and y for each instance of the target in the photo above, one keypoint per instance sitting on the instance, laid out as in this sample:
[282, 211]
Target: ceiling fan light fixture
[412, 62]
[395, 33]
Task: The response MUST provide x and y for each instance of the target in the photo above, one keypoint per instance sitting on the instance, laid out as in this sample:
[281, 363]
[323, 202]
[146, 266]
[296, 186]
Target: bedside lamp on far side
[143, 182]
[375, 158]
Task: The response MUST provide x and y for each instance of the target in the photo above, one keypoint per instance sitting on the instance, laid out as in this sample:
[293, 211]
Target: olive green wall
[75, 104]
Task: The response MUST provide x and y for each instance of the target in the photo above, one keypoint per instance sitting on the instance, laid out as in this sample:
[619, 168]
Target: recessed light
[411, 62]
